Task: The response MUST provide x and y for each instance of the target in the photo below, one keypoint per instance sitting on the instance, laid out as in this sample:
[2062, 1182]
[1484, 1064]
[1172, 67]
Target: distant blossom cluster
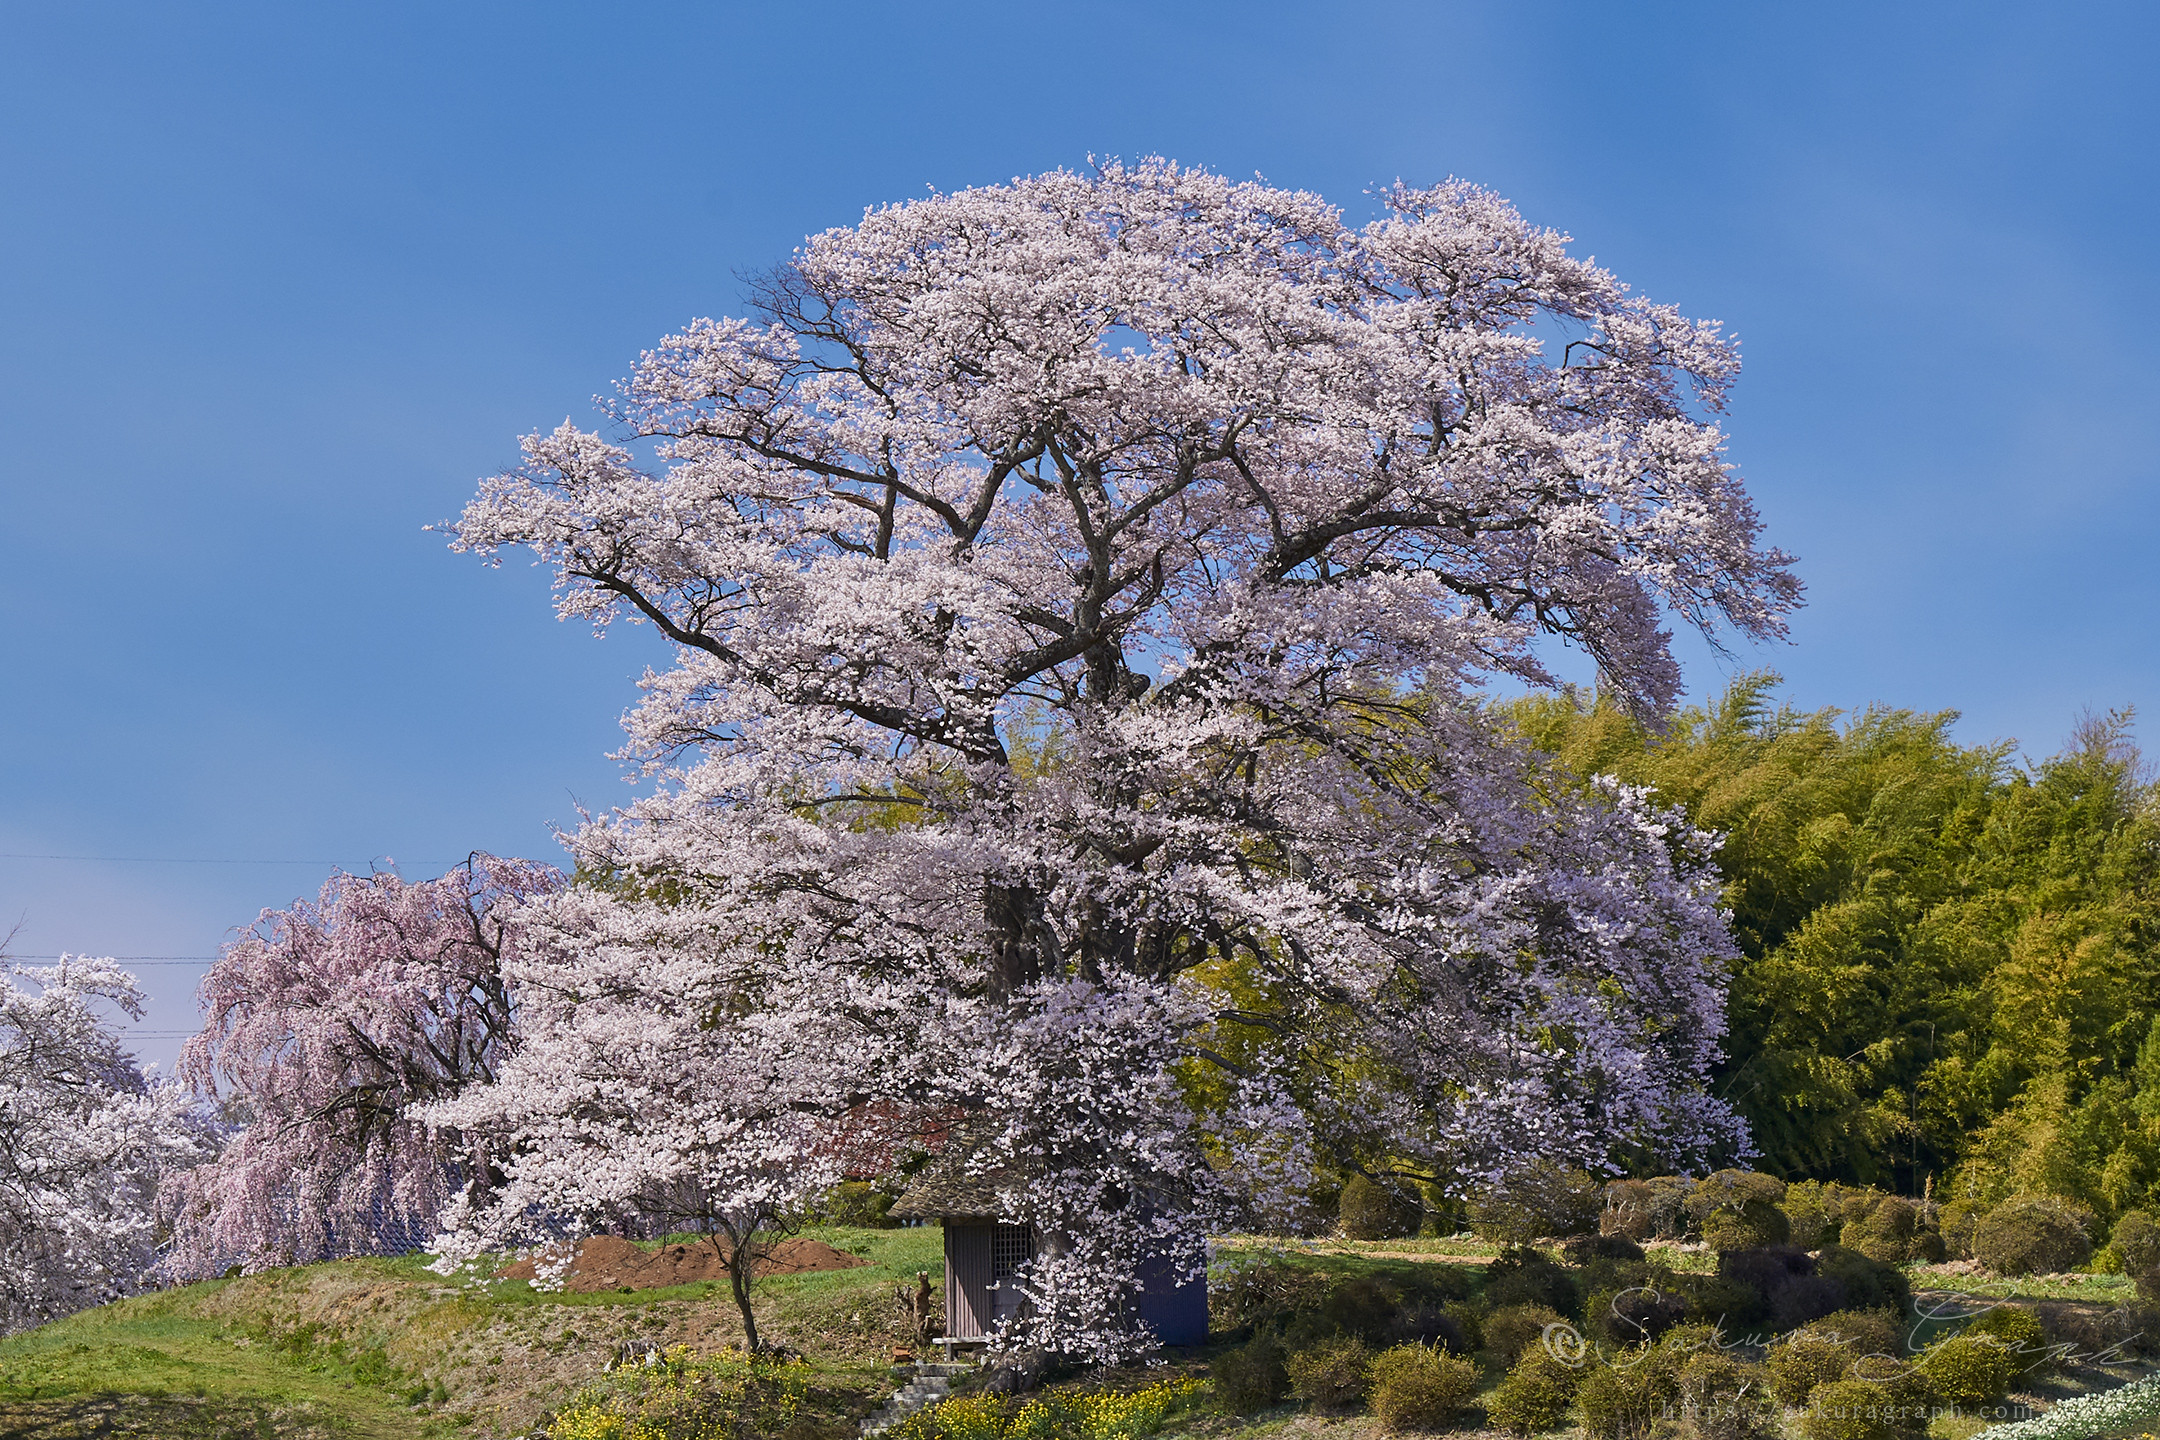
[84, 1139]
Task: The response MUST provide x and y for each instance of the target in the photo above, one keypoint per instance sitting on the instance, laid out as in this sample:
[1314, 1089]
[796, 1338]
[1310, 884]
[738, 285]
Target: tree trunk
[739, 1261]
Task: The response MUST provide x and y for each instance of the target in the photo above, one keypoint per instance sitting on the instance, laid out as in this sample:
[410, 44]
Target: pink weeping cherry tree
[1079, 591]
[326, 1025]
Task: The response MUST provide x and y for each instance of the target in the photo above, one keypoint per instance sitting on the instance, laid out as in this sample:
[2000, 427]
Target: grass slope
[383, 1348]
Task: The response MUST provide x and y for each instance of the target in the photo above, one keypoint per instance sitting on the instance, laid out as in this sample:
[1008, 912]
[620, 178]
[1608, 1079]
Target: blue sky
[278, 282]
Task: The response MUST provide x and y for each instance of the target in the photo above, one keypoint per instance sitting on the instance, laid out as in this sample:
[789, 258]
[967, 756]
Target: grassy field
[368, 1348]
[384, 1348]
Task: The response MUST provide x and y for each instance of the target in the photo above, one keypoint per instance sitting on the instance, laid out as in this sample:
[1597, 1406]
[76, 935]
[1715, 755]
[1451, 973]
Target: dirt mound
[606, 1262]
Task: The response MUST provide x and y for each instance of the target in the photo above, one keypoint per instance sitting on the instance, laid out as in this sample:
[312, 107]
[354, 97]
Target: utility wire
[131, 959]
[190, 860]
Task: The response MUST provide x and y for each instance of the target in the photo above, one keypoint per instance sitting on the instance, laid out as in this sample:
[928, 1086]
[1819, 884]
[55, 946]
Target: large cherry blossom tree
[326, 1023]
[1080, 590]
[85, 1136]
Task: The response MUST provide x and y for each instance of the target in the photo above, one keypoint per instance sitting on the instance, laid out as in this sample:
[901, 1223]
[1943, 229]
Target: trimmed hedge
[1625, 1399]
[1333, 1375]
[2032, 1235]
[1968, 1370]
[1511, 1329]
[1866, 1410]
[1415, 1387]
[1535, 1394]
[1252, 1377]
[2020, 1334]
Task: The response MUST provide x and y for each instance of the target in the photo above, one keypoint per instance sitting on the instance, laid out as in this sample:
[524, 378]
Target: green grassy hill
[383, 1348]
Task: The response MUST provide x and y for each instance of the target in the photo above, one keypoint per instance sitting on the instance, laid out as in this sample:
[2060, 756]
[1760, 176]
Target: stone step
[932, 1382]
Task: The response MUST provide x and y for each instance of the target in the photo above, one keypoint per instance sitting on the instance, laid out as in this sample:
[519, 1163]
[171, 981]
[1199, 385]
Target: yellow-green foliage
[2021, 1335]
[1725, 1398]
[1947, 959]
[1332, 1375]
[2033, 1234]
[1063, 1414]
[1623, 1399]
[1535, 1395]
[1889, 1232]
[1374, 1212]
[1865, 1410]
[1801, 1363]
[1509, 1329]
[1968, 1371]
[685, 1399]
[1417, 1387]
[1535, 1200]
[2137, 1242]
[1752, 1225]
[1864, 1332]
[1253, 1376]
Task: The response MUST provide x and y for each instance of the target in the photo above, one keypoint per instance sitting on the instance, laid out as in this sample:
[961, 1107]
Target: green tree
[1948, 960]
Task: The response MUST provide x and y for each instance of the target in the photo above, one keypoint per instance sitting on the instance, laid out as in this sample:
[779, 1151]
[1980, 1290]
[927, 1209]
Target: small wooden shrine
[983, 1254]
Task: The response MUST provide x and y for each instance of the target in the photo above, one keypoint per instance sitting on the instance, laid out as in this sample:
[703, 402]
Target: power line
[131, 959]
[191, 860]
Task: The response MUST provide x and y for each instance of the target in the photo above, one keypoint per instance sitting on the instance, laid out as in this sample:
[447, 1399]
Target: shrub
[1928, 1246]
[1806, 1299]
[1415, 1387]
[1967, 1370]
[1512, 1327]
[1767, 1270]
[1362, 1305]
[1715, 1300]
[859, 1203]
[1331, 1375]
[2032, 1234]
[1959, 1218]
[1729, 1190]
[1868, 1284]
[1373, 1211]
[1634, 1314]
[1812, 1209]
[1627, 1210]
[1723, 1398]
[1863, 1410]
[2137, 1241]
[1868, 1332]
[1828, 1351]
[2020, 1335]
[1266, 1293]
[1886, 1233]
[1525, 1277]
[1535, 1394]
[1668, 1206]
[1582, 1249]
[1802, 1362]
[1429, 1324]
[1754, 1224]
[1623, 1400]
[1469, 1323]
[1539, 1199]
[1253, 1376]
